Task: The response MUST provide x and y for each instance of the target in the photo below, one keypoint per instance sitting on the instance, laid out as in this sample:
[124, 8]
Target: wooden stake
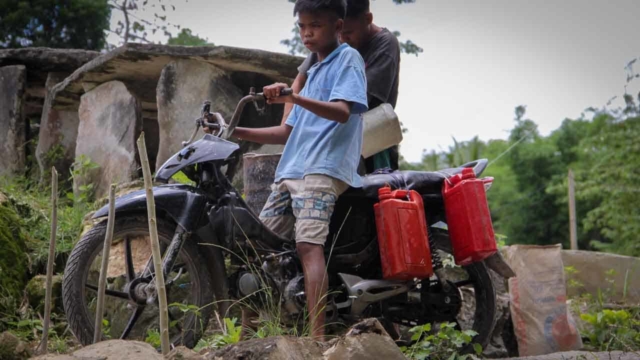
[42, 349]
[155, 246]
[106, 249]
[573, 227]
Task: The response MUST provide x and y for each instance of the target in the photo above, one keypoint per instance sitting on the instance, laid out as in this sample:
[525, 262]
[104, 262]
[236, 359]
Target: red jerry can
[402, 235]
[468, 218]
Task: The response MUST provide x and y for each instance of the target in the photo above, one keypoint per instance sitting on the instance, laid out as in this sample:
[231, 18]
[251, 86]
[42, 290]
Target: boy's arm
[270, 135]
[338, 111]
[298, 84]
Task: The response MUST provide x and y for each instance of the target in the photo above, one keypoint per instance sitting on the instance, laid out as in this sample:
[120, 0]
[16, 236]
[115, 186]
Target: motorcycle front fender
[184, 204]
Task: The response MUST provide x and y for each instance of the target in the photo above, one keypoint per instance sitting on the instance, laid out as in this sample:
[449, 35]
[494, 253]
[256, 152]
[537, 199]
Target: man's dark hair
[356, 8]
[337, 7]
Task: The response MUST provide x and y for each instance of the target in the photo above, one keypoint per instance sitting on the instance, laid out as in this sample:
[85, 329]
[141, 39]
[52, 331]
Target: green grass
[32, 203]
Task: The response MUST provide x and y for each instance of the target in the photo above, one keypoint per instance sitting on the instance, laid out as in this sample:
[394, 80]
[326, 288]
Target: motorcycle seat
[424, 182]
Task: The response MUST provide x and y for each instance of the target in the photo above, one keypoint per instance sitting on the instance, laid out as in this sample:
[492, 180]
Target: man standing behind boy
[323, 142]
[381, 53]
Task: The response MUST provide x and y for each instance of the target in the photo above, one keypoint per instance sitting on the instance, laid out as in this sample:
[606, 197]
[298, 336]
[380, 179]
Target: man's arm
[338, 111]
[270, 135]
[298, 84]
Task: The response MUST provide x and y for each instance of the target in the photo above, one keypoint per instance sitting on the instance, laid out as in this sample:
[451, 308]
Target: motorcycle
[217, 253]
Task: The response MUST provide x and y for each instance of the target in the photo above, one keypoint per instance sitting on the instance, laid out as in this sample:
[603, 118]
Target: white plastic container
[381, 130]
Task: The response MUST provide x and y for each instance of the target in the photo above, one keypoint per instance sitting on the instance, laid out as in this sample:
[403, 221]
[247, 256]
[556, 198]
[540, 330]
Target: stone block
[183, 86]
[592, 268]
[110, 123]
[13, 128]
[58, 133]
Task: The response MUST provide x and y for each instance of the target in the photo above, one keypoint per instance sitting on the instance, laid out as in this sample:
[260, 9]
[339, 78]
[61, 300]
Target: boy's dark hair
[337, 7]
[356, 8]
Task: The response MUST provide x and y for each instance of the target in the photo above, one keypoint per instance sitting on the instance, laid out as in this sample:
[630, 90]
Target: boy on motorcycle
[323, 140]
[380, 51]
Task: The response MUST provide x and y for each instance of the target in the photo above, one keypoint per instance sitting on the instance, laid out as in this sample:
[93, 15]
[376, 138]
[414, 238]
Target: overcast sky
[481, 58]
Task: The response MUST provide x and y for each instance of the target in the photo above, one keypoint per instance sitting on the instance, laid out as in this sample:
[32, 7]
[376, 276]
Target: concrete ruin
[167, 84]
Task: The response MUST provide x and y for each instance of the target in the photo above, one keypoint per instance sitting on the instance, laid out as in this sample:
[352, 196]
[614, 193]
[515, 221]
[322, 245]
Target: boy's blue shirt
[320, 146]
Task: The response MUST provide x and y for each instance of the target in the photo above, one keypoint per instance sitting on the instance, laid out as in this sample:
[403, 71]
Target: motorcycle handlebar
[226, 130]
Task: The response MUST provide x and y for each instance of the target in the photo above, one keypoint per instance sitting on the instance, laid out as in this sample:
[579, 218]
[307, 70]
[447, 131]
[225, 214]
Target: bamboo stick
[155, 246]
[42, 349]
[106, 249]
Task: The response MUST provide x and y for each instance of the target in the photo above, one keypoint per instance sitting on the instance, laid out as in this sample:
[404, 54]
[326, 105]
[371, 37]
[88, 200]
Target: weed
[610, 330]
[606, 329]
[570, 272]
[81, 171]
[153, 338]
[230, 334]
[446, 343]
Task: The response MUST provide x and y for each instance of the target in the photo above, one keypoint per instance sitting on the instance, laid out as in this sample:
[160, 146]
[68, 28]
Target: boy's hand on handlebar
[273, 94]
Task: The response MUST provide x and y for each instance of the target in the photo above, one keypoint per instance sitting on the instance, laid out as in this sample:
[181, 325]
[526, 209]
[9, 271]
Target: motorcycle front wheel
[126, 315]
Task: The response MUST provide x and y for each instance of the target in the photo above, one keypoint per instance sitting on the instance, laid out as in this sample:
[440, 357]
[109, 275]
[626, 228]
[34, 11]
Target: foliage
[610, 330]
[296, 46]
[77, 24]
[13, 258]
[153, 338]
[32, 204]
[186, 38]
[605, 329]
[230, 334]
[446, 343]
[80, 171]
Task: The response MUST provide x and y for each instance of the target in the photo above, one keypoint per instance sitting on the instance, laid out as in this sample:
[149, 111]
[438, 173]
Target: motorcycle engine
[281, 275]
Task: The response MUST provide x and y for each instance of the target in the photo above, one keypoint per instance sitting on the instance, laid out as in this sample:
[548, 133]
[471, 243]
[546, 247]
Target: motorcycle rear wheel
[193, 282]
[478, 284]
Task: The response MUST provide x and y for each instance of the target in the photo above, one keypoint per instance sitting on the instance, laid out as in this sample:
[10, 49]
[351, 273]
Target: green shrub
[446, 343]
[610, 330]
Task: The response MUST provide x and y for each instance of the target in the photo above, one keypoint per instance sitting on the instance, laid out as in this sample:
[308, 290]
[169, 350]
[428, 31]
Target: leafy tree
[296, 46]
[607, 178]
[186, 38]
[135, 28]
[535, 217]
[79, 24]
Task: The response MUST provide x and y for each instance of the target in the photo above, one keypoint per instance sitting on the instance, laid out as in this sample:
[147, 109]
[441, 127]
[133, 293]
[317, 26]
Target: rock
[364, 341]
[3, 198]
[13, 258]
[591, 269]
[58, 133]
[46, 59]
[119, 349]
[584, 355]
[11, 348]
[12, 123]
[36, 293]
[183, 353]
[140, 65]
[273, 348]
[39, 63]
[182, 88]
[110, 123]
[110, 350]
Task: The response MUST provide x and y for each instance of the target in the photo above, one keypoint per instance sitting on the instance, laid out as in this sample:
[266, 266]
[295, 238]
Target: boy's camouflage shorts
[303, 207]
